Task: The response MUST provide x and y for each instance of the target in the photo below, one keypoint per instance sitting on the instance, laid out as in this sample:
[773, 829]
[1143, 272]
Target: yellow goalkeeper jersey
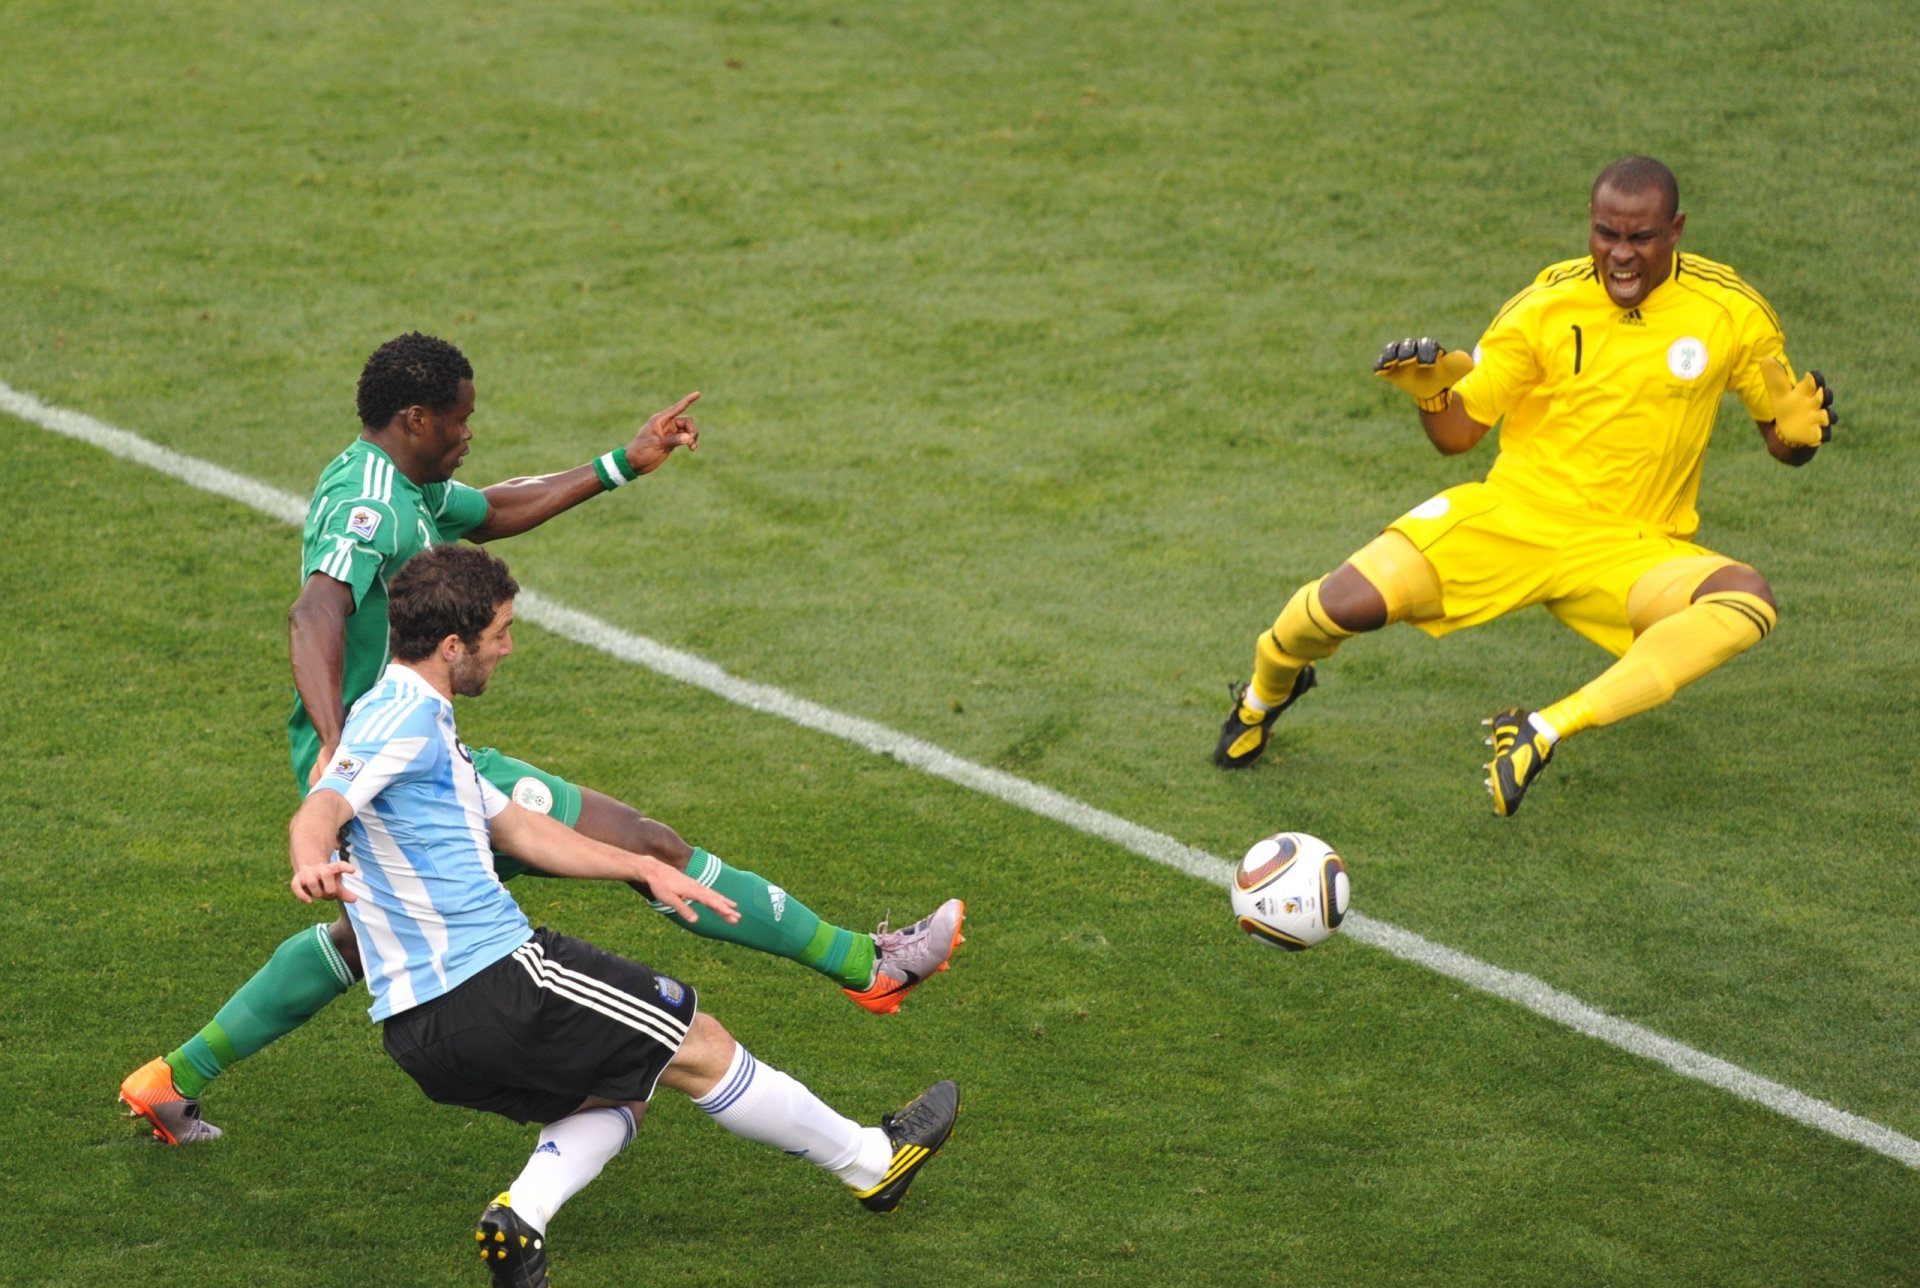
[1608, 410]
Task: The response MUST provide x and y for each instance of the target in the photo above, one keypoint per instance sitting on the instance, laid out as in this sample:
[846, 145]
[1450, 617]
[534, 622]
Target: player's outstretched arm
[1803, 414]
[519, 505]
[558, 850]
[311, 836]
[1427, 373]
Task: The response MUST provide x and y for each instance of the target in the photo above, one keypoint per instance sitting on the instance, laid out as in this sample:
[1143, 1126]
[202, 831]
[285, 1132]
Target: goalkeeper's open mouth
[1627, 286]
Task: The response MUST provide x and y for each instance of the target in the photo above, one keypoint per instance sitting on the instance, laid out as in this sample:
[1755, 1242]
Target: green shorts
[530, 788]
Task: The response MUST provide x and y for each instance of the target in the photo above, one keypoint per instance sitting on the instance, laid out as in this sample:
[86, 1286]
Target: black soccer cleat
[1520, 752]
[1243, 739]
[515, 1253]
[917, 1133]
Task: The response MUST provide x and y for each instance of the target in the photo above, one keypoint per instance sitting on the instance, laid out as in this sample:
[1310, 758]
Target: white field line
[583, 628]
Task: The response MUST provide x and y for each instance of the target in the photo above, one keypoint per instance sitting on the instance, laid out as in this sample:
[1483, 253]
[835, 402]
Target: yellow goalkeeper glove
[1803, 414]
[1423, 369]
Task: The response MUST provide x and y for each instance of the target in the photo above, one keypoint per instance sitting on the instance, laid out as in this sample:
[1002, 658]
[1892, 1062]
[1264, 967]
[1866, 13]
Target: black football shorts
[555, 1021]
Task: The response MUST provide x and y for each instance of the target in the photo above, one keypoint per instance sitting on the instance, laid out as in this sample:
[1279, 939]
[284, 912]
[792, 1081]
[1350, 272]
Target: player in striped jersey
[485, 1011]
[389, 495]
[1605, 376]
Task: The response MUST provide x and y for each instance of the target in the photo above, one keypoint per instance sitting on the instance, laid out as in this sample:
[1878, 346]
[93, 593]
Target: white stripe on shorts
[637, 1013]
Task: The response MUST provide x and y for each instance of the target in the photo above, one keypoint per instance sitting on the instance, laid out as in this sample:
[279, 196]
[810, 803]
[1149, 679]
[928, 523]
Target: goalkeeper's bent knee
[1670, 589]
[1302, 634]
[1407, 582]
[1305, 632]
[1761, 616]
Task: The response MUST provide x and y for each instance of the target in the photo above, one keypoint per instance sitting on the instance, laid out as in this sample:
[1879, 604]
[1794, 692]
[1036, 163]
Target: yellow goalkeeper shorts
[1495, 552]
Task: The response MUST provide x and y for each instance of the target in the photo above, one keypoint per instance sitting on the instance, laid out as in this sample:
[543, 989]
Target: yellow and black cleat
[1520, 752]
[515, 1252]
[1244, 734]
[917, 1132]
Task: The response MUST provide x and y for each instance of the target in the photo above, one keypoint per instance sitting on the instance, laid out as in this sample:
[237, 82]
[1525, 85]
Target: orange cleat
[149, 1093]
[905, 959]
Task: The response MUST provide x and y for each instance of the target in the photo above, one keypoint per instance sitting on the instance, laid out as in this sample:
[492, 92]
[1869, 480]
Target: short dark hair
[451, 589]
[411, 370]
[1630, 176]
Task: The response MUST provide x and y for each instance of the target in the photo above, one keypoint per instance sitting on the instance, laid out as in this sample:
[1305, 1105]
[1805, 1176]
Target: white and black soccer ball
[1291, 891]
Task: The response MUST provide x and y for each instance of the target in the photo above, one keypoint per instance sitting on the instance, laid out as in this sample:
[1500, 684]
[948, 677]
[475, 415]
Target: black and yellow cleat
[515, 1252]
[917, 1133]
[1520, 752]
[1244, 734]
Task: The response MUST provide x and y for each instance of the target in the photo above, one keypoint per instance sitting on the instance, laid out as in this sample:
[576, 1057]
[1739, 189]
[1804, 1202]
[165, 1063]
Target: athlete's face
[473, 667]
[1631, 240]
[447, 436]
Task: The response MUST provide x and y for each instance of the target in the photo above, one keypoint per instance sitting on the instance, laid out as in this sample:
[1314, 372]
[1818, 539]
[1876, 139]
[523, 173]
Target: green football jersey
[366, 519]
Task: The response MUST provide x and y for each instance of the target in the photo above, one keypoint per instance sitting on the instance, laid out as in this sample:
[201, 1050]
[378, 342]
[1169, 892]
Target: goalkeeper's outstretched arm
[1428, 373]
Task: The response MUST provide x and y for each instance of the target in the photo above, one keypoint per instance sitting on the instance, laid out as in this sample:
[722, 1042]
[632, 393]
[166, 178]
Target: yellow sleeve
[1757, 337]
[1506, 365]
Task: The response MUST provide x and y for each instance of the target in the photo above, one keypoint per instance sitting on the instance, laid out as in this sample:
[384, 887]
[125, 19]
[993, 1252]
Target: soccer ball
[1290, 891]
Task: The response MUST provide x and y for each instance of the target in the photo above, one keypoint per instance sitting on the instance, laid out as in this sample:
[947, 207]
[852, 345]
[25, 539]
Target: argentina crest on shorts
[672, 991]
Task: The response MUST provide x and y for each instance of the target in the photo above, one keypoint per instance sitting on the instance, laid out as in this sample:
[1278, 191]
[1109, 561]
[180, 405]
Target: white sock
[571, 1152]
[1544, 729]
[762, 1104]
[1251, 701]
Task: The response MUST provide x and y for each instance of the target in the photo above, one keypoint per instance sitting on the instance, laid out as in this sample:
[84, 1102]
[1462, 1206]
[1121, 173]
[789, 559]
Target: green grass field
[1034, 346]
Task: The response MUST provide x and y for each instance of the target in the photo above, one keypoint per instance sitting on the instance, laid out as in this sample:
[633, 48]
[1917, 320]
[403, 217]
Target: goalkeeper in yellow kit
[1605, 376]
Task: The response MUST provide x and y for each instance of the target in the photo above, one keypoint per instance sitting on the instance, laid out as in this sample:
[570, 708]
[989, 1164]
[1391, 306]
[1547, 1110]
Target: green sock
[303, 975]
[775, 922]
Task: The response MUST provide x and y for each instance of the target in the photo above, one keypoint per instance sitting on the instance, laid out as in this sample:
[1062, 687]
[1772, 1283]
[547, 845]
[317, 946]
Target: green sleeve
[456, 508]
[349, 541]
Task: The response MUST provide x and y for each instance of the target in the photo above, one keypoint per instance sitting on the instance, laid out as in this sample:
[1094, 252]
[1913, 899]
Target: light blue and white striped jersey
[429, 912]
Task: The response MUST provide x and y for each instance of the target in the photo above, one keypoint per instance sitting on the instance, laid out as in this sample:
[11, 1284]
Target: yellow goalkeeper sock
[1667, 656]
[1303, 633]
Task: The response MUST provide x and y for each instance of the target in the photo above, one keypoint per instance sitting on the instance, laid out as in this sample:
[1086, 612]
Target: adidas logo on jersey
[1632, 318]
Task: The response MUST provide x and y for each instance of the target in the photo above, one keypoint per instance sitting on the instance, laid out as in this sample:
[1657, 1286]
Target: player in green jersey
[383, 500]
